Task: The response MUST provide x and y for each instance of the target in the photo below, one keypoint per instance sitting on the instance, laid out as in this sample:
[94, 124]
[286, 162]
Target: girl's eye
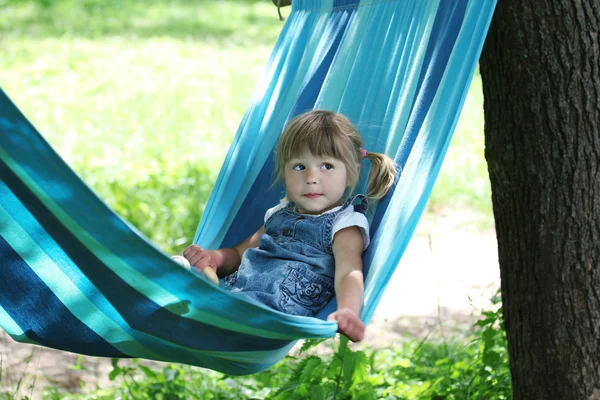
[298, 167]
[326, 166]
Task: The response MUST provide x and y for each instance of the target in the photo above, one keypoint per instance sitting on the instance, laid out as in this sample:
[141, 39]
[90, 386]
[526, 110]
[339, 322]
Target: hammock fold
[76, 277]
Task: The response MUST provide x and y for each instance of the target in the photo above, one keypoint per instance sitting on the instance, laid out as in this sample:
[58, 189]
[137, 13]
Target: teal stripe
[64, 289]
[336, 83]
[425, 161]
[9, 325]
[251, 357]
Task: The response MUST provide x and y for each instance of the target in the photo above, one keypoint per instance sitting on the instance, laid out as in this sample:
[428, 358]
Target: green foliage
[340, 377]
[11, 386]
[477, 370]
[474, 367]
[155, 200]
[226, 21]
[166, 384]
[417, 370]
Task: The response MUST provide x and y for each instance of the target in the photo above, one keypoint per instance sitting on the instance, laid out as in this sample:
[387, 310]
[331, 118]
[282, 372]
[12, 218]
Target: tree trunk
[541, 81]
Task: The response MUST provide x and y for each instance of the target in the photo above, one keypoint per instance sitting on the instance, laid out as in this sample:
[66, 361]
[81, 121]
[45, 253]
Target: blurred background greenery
[142, 99]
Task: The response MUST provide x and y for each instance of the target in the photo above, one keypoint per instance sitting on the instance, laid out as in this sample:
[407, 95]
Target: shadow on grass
[219, 20]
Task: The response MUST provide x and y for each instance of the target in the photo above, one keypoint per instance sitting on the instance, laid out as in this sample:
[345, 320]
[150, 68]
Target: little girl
[311, 244]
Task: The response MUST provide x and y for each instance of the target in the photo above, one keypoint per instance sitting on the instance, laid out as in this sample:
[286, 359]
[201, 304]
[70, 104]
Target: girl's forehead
[305, 155]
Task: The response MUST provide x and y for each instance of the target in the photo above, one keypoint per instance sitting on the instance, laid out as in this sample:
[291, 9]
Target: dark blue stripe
[346, 3]
[139, 311]
[445, 30]
[35, 156]
[260, 198]
[40, 314]
[311, 90]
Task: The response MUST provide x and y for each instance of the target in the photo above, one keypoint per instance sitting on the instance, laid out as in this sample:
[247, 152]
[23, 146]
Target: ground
[447, 275]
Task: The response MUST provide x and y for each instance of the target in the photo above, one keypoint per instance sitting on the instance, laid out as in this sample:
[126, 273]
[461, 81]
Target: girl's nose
[311, 176]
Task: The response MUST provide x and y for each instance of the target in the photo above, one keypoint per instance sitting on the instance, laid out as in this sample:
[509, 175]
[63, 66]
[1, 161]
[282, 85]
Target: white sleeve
[349, 217]
[273, 210]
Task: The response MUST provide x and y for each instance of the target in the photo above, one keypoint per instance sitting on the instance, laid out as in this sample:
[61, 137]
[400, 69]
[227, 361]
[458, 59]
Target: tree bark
[540, 69]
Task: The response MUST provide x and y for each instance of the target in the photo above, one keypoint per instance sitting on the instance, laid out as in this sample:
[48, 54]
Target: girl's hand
[200, 258]
[349, 324]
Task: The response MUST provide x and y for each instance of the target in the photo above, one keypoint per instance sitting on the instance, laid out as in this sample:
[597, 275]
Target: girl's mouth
[312, 195]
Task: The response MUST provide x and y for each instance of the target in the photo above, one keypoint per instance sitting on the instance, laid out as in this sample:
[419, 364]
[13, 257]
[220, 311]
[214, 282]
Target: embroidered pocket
[228, 281]
[304, 292]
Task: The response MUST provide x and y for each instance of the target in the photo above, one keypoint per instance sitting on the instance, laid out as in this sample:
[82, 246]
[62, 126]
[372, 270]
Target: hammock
[75, 277]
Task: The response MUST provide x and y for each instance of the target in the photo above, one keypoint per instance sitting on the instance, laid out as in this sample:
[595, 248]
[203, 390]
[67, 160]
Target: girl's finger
[195, 259]
[189, 252]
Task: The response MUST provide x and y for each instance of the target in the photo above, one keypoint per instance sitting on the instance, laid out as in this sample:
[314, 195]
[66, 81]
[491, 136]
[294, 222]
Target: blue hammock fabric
[74, 276]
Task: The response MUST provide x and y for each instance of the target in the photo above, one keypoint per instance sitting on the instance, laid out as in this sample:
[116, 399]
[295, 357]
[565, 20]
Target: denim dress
[292, 270]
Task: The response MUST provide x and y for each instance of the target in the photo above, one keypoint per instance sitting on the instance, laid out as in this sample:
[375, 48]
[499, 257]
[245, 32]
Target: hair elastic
[363, 153]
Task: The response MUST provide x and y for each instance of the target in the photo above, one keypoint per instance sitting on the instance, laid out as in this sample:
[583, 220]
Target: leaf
[313, 370]
[481, 322]
[488, 338]
[295, 381]
[171, 373]
[114, 373]
[372, 361]
[349, 367]
[147, 371]
[78, 365]
[403, 363]
[309, 344]
[317, 392]
[441, 361]
[491, 358]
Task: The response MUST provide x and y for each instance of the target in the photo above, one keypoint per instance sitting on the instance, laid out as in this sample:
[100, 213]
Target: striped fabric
[74, 276]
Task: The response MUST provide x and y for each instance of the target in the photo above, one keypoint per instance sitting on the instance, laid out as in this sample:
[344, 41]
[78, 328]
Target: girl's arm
[349, 286]
[224, 261]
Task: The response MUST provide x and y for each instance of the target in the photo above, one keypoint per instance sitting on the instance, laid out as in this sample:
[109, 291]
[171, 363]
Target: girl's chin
[315, 210]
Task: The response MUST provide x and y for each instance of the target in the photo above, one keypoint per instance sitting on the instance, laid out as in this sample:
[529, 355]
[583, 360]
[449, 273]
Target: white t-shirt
[347, 217]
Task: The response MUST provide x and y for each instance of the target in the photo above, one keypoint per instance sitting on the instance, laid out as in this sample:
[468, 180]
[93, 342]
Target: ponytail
[382, 176]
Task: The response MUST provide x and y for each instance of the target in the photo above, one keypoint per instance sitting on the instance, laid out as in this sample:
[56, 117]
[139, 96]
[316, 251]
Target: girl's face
[315, 184]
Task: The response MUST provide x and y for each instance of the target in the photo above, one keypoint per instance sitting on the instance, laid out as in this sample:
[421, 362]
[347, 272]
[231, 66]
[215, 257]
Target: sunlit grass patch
[229, 22]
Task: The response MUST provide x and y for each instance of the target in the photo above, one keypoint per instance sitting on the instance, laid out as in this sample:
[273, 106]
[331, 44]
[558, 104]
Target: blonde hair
[330, 134]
